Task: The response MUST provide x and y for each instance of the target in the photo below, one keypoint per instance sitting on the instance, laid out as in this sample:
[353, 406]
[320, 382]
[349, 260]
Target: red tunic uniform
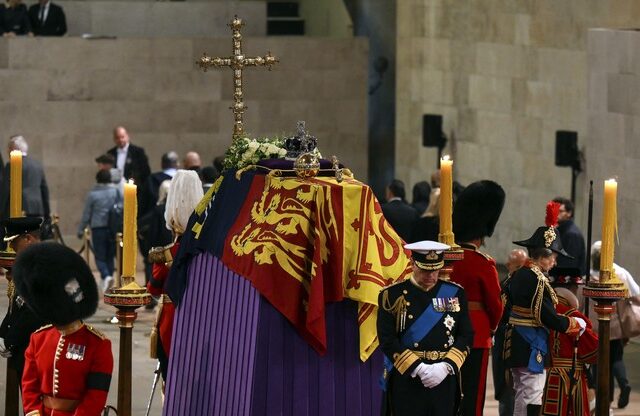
[66, 374]
[557, 400]
[155, 286]
[477, 274]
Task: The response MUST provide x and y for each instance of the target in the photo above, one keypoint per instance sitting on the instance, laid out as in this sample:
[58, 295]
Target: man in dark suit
[169, 165]
[35, 192]
[47, 19]
[398, 212]
[132, 161]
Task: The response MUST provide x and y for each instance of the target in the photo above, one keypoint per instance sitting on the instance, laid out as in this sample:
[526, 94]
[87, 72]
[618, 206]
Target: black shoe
[533, 409]
[623, 400]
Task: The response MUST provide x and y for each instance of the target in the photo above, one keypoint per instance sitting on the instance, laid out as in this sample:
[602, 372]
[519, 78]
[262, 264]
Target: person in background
[47, 19]
[152, 228]
[517, 258]
[398, 213]
[107, 162]
[131, 161]
[571, 236]
[475, 215]
[168, 167]
[35, 192]
[209, 175]
[421, 193]
[185, 192]
[617, 339]
[218, 163]
[97, 205]
[68, 364]
[192, 162]
[14, 19]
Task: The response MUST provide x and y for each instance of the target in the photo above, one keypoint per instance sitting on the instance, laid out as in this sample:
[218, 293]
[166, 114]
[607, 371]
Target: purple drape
[234, 354]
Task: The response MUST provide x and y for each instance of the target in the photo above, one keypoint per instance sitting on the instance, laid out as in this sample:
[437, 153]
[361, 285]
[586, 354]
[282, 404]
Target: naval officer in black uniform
[425, 335]
[530, 305]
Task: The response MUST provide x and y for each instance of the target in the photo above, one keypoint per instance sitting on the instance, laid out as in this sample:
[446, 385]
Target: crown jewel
[301, 143]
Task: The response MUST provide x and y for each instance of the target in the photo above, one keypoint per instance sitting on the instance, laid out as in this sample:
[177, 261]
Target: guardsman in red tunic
[565, 391]
[68, 364]
[185, 192]
[475, 215]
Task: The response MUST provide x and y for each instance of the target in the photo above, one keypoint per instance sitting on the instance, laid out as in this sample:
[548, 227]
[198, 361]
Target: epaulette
[476, 250]
[485, 255]
[42, 328]
[95, 332]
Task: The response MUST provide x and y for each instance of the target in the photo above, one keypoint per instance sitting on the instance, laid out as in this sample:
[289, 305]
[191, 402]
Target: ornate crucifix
[237, 62]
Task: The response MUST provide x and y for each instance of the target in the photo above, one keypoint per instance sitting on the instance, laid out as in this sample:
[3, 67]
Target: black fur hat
[477, 210]
[56, 283]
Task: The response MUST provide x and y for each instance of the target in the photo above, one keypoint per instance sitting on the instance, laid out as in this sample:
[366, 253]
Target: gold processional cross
[237, 62]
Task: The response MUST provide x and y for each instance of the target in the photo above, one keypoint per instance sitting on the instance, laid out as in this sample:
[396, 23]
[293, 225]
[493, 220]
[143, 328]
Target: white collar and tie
[44, 12]
[121, 157]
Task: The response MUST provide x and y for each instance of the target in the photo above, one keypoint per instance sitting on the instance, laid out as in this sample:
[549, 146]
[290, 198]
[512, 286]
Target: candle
[609, 220]
[129, 229]
[446, 200]
[15, 192]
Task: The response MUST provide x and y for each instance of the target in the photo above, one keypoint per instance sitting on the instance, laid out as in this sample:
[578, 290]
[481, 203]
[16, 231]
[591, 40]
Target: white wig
[185, 192]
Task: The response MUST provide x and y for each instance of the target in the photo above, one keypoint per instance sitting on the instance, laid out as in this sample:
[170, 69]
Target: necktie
[41, 14]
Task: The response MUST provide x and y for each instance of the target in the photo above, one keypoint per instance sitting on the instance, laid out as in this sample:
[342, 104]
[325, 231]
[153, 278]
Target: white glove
[420, 371]
[435, 374]
[582, 323]
[4, 352]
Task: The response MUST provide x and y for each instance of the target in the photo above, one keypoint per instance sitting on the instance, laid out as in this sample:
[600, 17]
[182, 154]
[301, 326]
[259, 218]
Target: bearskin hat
[477, 210]
[56, 283]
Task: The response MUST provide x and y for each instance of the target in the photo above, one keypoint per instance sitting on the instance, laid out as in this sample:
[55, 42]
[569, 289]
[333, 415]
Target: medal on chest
[449, 322]
[446, 304]
[75, 352]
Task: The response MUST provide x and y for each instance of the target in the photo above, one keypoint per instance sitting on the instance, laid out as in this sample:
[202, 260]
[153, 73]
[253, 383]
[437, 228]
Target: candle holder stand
[126, 299]
[453, 254]
[605, 293]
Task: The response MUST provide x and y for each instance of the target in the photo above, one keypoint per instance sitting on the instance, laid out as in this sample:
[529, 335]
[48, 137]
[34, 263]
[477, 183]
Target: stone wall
[162, 19]
[506, 75]
[613, 131]
[66, 95]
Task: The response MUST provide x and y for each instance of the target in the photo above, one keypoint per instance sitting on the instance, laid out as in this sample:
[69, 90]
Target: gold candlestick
[605, 292]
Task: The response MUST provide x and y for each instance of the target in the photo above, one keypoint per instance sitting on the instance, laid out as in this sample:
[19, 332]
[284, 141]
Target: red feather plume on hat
[553, 209]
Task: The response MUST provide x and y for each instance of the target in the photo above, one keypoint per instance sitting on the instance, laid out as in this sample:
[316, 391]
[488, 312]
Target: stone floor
[143, 366]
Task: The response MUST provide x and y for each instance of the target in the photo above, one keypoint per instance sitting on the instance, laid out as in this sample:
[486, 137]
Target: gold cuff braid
[457, 357]
[403, 361]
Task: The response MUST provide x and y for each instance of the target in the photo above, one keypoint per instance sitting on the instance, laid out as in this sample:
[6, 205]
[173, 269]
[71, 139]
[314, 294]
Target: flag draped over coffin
[301, 243]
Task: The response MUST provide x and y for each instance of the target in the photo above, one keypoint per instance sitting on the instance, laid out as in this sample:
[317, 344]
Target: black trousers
[474, 382]
[408, 397]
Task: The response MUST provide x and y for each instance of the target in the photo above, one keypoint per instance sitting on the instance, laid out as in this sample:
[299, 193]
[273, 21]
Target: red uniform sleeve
[98, 381]
[588, 342]
[492, 294]
[159, 274]
[31, 382]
